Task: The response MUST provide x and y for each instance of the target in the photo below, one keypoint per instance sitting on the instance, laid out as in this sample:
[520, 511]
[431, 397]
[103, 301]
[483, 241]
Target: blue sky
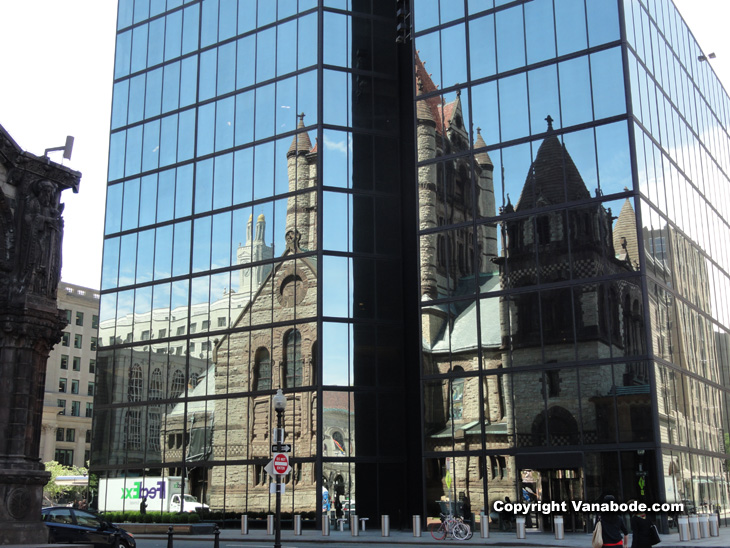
[62, 65]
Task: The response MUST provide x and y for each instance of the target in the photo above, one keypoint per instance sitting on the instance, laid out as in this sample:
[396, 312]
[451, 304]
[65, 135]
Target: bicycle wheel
[438, 531]
[460, 531]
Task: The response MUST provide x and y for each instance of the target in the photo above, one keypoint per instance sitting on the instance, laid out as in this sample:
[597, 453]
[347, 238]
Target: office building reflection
[469, 229]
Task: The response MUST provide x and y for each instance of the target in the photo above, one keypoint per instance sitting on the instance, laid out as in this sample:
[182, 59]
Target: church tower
[254, 250]
[301, 210]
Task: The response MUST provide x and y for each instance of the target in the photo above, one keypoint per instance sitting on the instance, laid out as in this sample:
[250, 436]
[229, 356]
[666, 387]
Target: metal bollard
[704, 526]
[297, 524]
[559, 526]
[244, 524]
[354, 529]
[270, 524]
[483, 525]
[216, 536]
[385, 525]
[169, 537]
[520, 526]
[694, 527]
[683, 528]
[325, 526]
[416, 526]
[714, 525]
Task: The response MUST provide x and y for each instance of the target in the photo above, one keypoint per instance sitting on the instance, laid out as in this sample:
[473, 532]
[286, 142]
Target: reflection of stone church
[527, 327]
[158, 371]
[251, 360]
[243, 365]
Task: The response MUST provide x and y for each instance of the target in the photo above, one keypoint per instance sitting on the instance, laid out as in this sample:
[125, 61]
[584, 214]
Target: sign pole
[277, 537]
[279, 406]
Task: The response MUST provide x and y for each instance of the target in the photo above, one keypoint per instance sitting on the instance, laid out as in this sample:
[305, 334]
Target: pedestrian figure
[506, 517]
[612, 526]
[640, 531]
[466, 510]
[338, 507]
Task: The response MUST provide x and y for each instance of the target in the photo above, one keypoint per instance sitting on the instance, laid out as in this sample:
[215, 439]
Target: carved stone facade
[533, 408]
[253, 360]
[30, 266]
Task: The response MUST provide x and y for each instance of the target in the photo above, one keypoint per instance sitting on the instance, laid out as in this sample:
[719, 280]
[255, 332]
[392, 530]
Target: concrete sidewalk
[373, 536]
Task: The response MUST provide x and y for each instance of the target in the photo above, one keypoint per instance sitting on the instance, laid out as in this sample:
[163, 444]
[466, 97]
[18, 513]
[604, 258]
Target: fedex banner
[138, 492]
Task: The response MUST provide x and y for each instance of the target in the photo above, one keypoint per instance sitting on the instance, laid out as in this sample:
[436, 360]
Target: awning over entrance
[457, 430]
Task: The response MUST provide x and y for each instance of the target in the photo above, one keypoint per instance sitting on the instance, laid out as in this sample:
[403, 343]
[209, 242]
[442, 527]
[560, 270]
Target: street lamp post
[279, 407]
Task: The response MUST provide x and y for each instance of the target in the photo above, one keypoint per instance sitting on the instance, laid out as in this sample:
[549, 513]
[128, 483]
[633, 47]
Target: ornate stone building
[253, 360]
[592, 320]
[30, 269]
[423, 271]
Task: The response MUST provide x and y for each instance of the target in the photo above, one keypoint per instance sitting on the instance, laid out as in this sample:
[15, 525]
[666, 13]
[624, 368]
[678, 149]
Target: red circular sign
[281, 463]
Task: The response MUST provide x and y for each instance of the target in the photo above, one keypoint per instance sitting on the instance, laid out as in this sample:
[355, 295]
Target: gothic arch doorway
[558, 424]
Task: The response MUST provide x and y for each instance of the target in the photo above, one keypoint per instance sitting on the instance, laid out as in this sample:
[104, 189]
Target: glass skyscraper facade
[478, 244]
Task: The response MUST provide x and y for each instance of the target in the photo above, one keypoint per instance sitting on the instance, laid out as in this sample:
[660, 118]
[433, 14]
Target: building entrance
[553, 484]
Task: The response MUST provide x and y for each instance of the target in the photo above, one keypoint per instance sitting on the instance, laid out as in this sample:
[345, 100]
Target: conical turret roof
[482, 157]
[624, 231]
[300, 142]
[553, 177]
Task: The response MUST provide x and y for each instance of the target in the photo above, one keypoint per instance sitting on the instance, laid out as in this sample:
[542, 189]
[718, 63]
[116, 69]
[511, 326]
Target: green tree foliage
[54, 492]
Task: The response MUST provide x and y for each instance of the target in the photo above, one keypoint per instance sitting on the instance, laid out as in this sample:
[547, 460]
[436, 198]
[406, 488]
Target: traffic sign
[277, 435]
[273, 486]
[281, 463]
[281, 448]
[275, 466]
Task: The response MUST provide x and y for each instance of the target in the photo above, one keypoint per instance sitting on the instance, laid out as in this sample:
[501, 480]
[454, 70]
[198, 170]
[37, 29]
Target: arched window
[315, 368]
[154, 413]
[457, 395]
[542, 228]
[134, 429]
[156, 385]
[153, 428]
[262, 370]
[134, 390]
[339, 443]
[178, 384]
[614, 306]
[134, 416]
[293, 364]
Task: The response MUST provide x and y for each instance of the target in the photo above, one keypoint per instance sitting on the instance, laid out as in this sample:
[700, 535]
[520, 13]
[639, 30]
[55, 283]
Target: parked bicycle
[452, 526]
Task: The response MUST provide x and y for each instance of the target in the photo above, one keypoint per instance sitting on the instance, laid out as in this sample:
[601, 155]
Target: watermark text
[553, 507]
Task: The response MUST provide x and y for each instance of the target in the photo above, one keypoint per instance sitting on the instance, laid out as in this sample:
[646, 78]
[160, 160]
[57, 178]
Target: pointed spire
[300, 142]
[482, 157]
[508, 208]
[549, 120]
[624, 232]
[249, 229]
[552, 175]
[260, 226]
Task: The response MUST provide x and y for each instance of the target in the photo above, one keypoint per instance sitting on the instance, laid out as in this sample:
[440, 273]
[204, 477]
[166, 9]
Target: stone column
[27, 336]
[30, 325]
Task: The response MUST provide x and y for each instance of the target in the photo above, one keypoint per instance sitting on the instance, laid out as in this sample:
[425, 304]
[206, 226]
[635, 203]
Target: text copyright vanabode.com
[580, 506]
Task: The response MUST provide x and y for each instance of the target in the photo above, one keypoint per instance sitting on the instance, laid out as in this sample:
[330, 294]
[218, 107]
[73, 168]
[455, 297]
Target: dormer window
[543, 230]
